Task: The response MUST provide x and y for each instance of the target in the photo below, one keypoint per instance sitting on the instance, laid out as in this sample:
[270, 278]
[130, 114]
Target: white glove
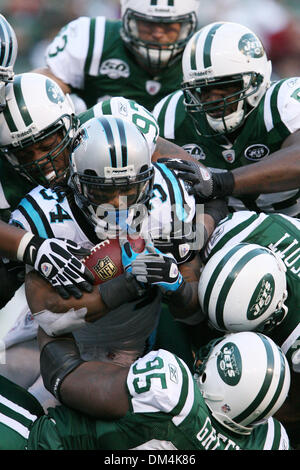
[56, 259]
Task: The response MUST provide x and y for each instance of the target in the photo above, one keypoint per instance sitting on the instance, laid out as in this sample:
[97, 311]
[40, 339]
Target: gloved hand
[157, 269]
[128, 255]
[56, 259]
[204, 184]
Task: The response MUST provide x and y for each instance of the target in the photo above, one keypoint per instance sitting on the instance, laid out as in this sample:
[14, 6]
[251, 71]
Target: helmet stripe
[21, 102]
[123, 139]
[265, 386]
[193, 51]
[110, 140]
[230, 280]
[214, 276]
[9, 119]
[208, 43]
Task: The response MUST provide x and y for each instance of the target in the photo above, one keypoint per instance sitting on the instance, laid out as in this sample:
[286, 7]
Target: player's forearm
[184, 303]
[166, 149]
[10, 238]
[94, 388]
[279, 172]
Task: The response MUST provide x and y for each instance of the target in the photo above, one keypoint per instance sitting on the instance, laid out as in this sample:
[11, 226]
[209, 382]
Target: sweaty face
[44, 158]
[162, 33]
[217, 97]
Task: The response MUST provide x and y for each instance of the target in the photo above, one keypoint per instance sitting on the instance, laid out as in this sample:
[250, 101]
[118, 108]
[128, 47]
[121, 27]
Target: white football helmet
[8, 54]
[110, 155]
[243, 288]
[222, 55]
[36, 108]
[244, 379]
[153, 54]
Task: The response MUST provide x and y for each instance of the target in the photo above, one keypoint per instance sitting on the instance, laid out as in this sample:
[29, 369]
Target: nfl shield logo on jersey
[229, 155]
[153, 87]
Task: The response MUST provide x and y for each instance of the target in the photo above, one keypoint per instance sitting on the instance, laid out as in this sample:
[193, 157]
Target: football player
[239, 382]
[121, 191]
[237, 122]
[251, 282]
[137, 57]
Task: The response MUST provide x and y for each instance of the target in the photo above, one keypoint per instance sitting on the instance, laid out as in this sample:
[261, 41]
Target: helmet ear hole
[202, 378]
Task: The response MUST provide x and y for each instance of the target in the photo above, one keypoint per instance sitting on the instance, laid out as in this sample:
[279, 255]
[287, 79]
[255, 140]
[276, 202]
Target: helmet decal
[229, 364]
[54, 93]
[262, 297]
[251, 46]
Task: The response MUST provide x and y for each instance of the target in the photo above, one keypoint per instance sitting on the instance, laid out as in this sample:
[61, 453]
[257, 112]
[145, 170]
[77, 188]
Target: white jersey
[127, 328]
[49, 214]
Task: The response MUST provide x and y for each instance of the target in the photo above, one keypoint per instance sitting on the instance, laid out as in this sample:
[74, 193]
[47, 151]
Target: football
[105, 260]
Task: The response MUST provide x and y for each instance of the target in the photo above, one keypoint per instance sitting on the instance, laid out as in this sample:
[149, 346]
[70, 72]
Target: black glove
[204, 184]
[56, 260]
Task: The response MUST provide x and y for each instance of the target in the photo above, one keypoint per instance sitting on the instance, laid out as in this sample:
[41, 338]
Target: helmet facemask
[153, 54]
[34, 171]
[108, 220]
[224, 115]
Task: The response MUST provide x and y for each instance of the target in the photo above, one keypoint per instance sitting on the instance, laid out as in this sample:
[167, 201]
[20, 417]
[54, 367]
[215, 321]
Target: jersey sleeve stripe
[268, 117]
[15, 425]
[186, 399]
[290, 340]
[97, 46]
[89, 56]
[37, 220]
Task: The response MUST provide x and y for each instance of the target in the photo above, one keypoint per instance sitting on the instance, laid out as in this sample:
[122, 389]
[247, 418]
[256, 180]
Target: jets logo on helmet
[244, 378]
[243, 287]
[222, 55]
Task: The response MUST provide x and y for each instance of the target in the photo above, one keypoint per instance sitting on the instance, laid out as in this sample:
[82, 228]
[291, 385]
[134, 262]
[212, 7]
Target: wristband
[24, 242]
[182, 296]
[57, 359]
[120, 290]
[223, 184]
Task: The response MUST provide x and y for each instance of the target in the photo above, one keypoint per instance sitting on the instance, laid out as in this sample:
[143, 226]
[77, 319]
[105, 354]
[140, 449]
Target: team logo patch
[256, 152]
[152, 87]
[46, 269]
[173, 373]
[105, 268]
[261, 298]
[250, 45]
[229, 155]
[195, 150]
[54, 93]
[229, 364]
[114, 68]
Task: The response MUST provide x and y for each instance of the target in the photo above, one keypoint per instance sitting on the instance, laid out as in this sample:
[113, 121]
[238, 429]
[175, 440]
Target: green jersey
[90, 56]
[281, 234]
[167, 412]
[13, 187]
[265, 129]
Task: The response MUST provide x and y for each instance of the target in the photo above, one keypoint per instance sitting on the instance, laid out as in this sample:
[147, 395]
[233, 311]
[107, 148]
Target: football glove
[157, 269]
[56, 259]
[202, 183]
